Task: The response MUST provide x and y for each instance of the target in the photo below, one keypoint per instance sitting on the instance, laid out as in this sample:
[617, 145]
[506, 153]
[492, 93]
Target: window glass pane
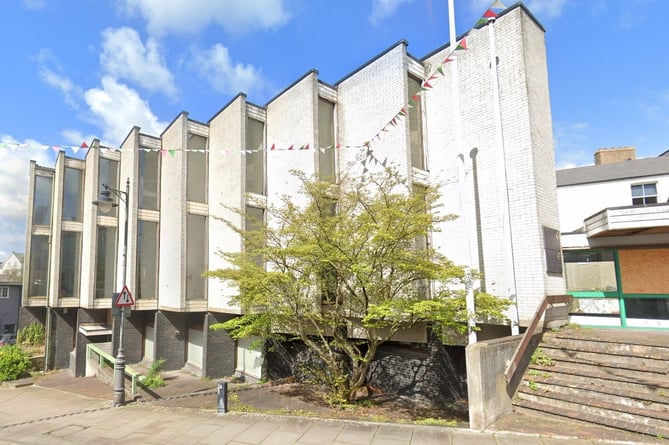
[148, 179]
[69, 265]
[105, 263]
[42, 202]
[147, 259]
[637, 190]
[326, 140]
[648, 308]
[649, 189]
[72, 194]
[416, 126]
[108, 174]
[196, 164]
[39, 265]
[254, 220]
[196, 252]
[255, 159]
[590, 271]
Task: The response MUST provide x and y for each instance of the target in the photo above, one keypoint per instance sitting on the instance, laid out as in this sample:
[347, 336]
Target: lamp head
[105, 203]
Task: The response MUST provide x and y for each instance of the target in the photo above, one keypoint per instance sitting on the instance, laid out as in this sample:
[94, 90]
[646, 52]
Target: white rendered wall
[601, 195]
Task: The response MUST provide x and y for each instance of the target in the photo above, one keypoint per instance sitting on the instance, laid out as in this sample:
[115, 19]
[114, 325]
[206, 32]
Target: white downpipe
[499, 139]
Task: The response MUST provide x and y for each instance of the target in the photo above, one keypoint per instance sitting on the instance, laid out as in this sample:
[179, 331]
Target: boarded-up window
[644, 271]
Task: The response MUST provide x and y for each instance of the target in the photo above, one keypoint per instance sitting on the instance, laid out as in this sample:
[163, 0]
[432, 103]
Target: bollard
[222, 397]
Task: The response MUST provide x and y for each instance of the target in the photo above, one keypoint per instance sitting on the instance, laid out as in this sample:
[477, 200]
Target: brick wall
[133, 335]
[171, 339]
[29, 315]
[219, 348]
[63, 327]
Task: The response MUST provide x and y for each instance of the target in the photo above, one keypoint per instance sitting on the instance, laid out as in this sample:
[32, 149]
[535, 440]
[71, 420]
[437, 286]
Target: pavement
[59, 409]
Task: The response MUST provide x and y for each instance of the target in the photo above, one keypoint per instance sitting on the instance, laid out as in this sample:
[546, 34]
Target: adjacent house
[11, 282]
[477, 121]
[614, 219]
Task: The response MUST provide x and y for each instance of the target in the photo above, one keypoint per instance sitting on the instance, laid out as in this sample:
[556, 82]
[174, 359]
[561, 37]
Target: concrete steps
[614, 378]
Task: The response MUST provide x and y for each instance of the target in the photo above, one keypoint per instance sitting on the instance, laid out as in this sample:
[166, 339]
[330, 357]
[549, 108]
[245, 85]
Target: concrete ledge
[19, 383]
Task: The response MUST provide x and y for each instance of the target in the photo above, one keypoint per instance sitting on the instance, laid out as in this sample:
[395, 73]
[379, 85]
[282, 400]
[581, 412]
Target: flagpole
[462, 177]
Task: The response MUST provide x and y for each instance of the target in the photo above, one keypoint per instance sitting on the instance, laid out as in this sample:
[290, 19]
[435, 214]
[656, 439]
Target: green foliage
[14, 362]
[353, 257]
[31, 335]
[540, 358]
[153, 379]
[533, 385]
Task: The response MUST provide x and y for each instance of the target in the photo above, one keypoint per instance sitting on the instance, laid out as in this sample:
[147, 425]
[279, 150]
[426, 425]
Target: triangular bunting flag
[497, 4]
[462, 44]
[84, 145]
[273, 147]
[291, 147]
[172, 152]
[490, 14]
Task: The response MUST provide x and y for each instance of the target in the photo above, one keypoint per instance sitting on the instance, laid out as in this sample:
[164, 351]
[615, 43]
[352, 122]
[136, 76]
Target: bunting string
[366, 147]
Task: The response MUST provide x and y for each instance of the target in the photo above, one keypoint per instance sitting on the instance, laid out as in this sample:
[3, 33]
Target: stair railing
[530, 331]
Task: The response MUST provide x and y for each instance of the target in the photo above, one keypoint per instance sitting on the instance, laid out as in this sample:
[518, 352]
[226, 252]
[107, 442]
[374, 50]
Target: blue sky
[75, 70]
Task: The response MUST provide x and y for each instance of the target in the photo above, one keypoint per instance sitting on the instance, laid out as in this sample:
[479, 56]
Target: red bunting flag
[461, 45]
[490, 14]
[306, 147]
[291, 147]
[84, 145]
[415, 98]
[426, 84]
[273, 147]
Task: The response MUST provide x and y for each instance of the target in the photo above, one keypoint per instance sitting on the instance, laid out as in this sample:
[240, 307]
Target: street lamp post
[105, 204]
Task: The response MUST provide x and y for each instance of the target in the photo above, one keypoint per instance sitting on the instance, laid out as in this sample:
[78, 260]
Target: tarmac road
[37, 415]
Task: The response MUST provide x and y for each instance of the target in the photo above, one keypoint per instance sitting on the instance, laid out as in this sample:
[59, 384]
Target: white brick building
[483, 129]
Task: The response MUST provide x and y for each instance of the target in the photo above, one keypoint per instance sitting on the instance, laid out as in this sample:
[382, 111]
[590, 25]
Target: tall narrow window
[149, 171]
[196, 256]
[105, 263]
[72, 191]
[255, 157]
[69, 264]
[39, 265]
[326, 141]
[416, 125]
[196, 166]
[42, 201]
[643, 194]
[108, 174]
[147, 259]
[254, 220]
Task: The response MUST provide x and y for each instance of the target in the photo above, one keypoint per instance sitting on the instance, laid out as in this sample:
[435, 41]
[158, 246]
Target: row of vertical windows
[196, 256]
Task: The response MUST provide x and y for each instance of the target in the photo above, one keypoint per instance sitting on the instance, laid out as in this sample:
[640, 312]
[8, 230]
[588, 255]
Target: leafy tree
[346, 271]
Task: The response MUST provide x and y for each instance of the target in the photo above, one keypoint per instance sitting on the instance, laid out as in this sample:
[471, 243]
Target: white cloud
[71, 92]
[546, 9]
[15, 161]
[382, 9]
[124, 56]
[224, 75]
[116, 108]
[572, 147]
[35, 5]
[188, 16]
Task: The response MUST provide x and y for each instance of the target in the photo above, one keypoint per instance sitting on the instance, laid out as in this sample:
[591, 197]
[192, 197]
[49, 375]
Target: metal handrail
[107, 357]
[527, 336]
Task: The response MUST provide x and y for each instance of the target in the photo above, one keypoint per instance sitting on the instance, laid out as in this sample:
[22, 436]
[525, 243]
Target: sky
[76, 70]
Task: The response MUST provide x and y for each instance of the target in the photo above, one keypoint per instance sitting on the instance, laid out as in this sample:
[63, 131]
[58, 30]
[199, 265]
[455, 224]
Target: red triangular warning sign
[124, 298]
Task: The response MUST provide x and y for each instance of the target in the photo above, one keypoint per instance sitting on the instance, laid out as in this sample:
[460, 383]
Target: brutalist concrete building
[476, 119]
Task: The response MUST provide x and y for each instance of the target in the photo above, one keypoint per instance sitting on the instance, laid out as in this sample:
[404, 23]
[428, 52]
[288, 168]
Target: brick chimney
[615, 154]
